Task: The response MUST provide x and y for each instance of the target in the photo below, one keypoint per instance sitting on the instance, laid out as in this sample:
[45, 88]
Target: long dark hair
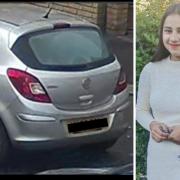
[162, 52]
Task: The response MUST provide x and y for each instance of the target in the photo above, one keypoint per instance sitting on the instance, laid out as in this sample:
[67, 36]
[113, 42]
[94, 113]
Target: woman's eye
[167, 31]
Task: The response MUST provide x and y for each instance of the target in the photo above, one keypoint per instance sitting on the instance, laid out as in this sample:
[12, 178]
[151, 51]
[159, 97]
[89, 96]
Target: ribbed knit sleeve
[143, 109]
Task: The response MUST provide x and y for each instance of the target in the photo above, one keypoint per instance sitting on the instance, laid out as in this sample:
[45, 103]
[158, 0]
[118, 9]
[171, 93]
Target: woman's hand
[175, 134]
[159, 131]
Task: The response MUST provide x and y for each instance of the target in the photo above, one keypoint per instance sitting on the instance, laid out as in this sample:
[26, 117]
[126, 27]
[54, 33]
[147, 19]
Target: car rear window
[63, 49]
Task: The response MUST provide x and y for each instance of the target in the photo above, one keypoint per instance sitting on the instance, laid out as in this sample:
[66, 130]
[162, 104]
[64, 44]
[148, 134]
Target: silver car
[60, 87]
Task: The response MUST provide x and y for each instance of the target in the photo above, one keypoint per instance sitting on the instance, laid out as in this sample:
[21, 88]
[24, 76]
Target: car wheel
[4, 145]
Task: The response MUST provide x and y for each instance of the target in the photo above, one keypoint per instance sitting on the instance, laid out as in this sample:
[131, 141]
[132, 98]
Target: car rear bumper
[50, 138]
[48, 135]
[69, 143]
[49, 130]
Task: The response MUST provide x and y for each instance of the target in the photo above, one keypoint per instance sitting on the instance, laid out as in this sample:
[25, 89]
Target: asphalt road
[116, 160]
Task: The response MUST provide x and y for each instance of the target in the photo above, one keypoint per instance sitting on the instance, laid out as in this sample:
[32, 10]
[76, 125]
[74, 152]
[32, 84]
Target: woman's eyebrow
[167, 27]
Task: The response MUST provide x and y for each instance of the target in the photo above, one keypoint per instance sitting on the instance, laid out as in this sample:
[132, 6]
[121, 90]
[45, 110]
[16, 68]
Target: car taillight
[121, 84]
[28, 86]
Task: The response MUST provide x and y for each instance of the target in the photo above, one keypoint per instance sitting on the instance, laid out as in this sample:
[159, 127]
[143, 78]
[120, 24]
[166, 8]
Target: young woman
[158, 102]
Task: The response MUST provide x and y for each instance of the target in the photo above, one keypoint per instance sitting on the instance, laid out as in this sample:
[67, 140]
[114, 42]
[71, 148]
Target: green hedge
[148, 15]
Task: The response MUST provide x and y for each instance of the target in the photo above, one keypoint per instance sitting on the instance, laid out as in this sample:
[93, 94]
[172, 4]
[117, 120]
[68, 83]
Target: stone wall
[111, 17]
[117, 17]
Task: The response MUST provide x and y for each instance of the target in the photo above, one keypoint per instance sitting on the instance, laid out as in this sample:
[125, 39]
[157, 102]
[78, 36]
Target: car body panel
[66, 88]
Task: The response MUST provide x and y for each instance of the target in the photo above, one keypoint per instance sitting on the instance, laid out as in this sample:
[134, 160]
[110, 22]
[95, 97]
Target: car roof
[17, 19]
[19, 14]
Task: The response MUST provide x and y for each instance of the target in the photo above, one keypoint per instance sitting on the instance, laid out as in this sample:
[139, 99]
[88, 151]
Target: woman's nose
[174, 37]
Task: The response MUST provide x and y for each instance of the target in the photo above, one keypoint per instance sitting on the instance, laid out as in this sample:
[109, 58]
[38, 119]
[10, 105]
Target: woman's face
[171, 35]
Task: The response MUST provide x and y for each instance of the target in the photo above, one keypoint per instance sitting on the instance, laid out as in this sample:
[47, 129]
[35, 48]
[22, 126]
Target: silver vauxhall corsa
[59, 84]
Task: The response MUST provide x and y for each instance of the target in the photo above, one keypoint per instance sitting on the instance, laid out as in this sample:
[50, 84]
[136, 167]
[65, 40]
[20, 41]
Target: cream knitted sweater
[159, 99]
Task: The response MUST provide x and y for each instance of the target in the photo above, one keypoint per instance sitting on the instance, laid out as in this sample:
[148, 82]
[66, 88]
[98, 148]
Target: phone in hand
[168, 131]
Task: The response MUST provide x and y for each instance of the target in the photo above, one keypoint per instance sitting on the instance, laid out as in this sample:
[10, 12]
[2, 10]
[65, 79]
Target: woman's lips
[174, 46]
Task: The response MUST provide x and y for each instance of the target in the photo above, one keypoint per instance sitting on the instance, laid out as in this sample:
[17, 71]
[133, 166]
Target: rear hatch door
[73, 64]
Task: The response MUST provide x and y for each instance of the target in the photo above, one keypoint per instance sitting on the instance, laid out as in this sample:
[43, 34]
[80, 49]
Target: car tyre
[4, 145]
